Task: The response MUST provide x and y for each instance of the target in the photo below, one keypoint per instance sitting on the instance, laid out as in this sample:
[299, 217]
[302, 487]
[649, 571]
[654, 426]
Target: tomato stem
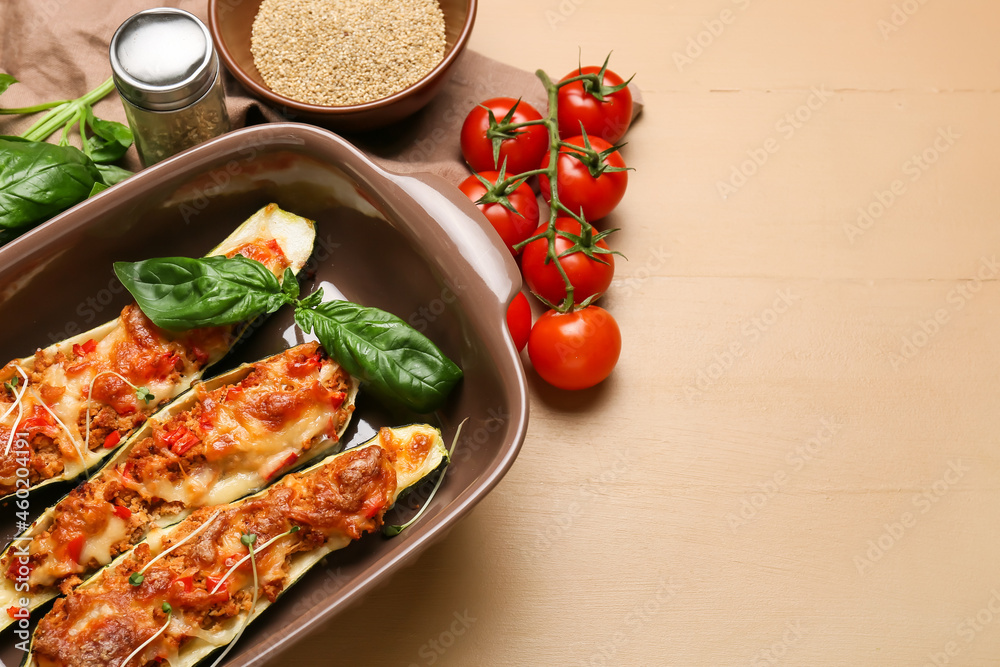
[551, 122]
[505, 129]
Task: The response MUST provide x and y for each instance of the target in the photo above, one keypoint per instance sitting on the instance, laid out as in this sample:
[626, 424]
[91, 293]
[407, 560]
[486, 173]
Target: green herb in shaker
[167, 74]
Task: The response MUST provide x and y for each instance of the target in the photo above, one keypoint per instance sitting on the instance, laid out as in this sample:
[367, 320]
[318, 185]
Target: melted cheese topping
[363, 478]
[99, 546]
[232, 440]
[61, 377]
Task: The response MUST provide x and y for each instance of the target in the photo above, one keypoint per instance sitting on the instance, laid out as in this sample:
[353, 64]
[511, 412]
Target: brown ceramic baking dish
[412, 245]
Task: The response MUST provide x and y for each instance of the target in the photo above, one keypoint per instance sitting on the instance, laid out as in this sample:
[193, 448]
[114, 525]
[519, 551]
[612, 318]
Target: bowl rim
[305, 107]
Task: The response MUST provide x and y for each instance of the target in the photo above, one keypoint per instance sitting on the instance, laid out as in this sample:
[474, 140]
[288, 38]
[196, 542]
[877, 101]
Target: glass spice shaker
[167, 74]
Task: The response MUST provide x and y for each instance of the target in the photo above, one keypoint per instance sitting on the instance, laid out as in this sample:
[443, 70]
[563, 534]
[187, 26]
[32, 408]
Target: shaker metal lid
[163, 59]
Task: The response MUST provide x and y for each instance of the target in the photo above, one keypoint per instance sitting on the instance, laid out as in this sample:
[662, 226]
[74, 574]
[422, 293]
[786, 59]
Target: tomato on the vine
[584, 268]
[519, 320]
[522, 148]
[608, 119]
[591, 180]
[575, 350]
[513, 227]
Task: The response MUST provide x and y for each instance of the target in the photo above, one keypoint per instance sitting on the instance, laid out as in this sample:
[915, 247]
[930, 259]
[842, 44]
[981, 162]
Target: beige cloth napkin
[58, 49]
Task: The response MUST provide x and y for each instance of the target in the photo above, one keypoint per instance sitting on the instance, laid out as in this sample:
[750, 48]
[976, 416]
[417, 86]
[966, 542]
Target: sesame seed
[342, 52]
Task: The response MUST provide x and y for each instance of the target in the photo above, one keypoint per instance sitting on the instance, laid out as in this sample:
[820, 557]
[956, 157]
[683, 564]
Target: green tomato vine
[587, 241]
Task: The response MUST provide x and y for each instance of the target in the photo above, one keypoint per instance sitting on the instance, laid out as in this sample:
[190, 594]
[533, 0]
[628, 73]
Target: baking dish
[412, 245]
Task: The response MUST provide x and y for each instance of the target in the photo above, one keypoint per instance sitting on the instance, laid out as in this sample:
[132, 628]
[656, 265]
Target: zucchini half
[300, 442]
[295, 236]
[101, 607]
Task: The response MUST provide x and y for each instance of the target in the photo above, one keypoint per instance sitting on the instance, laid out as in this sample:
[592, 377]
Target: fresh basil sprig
[381, 349]
[396, 361]
[39, 179]
[180, 293]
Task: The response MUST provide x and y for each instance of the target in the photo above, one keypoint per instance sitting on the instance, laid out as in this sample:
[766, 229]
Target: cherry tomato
[511, 227]
[608, 120]
[587, 275]
[522, 152]
[578, 189]
[519, 320]
[575, 350]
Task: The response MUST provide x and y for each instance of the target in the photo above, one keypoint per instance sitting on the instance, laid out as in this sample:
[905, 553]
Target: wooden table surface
[795, 462]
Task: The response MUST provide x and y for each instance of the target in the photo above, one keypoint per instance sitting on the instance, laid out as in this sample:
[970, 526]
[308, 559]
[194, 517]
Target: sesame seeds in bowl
[393, 60]
[344, 52]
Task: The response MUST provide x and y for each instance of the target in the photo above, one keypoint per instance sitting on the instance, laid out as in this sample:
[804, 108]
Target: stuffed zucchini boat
[223, 439]
[65, 408]
[188, 590]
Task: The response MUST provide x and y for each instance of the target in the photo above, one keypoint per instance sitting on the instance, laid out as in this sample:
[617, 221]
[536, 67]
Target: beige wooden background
[795, 462]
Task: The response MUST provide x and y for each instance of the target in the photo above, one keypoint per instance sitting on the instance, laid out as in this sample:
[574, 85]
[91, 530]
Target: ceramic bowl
[230, 22]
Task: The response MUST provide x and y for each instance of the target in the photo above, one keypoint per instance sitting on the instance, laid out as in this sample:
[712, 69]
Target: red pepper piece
[84, 349]
[14, 569]
[40, 421]
[75, 548]
[205, 421]
[112, 440]
[122, 512]
[184, 443]
[165, 364]
[372, 508]
[187, 583]
[179, 440]
[302, 366]
[287, 461]
[199, 354]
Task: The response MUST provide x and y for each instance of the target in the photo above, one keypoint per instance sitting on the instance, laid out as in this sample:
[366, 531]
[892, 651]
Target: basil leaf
[6, 80]
[39, 180]
[398, 363]
[179, 293]
[98, 187]
[110, 140]
[312, 300]
[289, 285]
[110, 174]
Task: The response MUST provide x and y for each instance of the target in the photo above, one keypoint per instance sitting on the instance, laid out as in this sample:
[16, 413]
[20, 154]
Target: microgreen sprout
[69, 435]
[392, 531]
[136, 579]
[20, 409]
[168, 610]
[248, 540]
[142, 393]
[186, 538]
